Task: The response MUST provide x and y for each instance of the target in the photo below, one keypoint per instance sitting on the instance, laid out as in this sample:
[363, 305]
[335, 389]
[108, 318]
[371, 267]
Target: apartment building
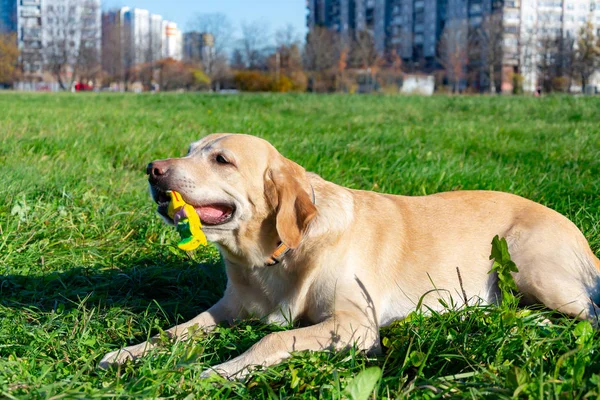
[24, 18]
[71, 33]
[156, 37]
[198, 47]
[42, 26]
[543, 19]
[347, 16]
[136, 34]
[172, 40]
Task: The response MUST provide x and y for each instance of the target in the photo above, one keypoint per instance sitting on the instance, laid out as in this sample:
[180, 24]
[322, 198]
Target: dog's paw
[209, 373]
[115, 358]
[121, 356]
[227, 370]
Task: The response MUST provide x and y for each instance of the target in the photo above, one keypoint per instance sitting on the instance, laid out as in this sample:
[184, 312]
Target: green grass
[87, 267]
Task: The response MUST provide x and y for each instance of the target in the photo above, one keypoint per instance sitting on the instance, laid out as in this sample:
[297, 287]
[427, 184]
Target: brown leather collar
[282, 249]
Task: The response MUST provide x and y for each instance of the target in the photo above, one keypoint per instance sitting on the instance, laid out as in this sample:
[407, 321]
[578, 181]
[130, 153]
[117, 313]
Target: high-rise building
[24, 18]
[172, 41]
[48, 29]
[348, 16]
[198, 47]
[540, 20]
[71, 33]
[136, 35]
[156, 37]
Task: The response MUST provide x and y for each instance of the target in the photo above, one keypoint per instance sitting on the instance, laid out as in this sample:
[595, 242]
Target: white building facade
[45, 28]
[136, 35]
[172, 41]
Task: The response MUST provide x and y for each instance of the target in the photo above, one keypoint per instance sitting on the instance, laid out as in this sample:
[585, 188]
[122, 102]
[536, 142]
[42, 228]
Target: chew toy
[187, 222]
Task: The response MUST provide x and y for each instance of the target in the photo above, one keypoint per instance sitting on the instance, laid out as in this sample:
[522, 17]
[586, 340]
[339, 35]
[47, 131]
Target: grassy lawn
[87, 267]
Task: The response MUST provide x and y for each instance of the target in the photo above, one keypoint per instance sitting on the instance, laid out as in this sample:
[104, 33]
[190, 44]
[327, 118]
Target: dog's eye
[221, 160]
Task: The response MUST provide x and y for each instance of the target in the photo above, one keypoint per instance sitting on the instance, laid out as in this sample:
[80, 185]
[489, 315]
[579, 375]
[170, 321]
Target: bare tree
[221, 29]
[237, 60]
[486, 52]
[112, 46]
[565, 58]
[587, 54]
[528, 57]
[286, 59]
[453, 53]
[547, 55]
[288, 54]
[322, 49]
[394, 61]
[321, 56]
[253, 44]
[362, 51]
[72, 50]
[287, 37]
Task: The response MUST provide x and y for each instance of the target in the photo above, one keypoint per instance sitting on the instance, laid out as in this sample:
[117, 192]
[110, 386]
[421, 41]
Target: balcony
[29, 47]
[31, 13]
[32, 34]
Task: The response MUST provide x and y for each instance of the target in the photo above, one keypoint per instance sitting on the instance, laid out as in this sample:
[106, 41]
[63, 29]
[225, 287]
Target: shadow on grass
[185, 288]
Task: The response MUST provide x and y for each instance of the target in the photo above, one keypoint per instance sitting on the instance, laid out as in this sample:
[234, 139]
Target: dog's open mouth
[210, 214]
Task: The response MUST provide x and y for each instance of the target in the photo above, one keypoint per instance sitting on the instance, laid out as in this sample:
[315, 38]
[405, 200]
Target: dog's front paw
[209, 373]
[228, 370]
[121, 356]
[115, 358]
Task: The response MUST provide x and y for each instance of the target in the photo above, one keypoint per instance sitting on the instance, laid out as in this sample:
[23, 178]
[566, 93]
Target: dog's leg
[205, 321]
[569, 290]
[567, 295]
[338, 332]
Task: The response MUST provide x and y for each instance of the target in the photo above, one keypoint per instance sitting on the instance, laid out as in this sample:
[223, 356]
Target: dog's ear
[293, 205]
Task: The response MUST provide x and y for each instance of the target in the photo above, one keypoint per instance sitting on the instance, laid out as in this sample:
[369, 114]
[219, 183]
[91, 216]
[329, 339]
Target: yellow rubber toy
[188, 223]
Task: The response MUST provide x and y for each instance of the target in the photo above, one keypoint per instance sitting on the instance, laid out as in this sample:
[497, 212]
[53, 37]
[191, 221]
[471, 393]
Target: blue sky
[274, 13]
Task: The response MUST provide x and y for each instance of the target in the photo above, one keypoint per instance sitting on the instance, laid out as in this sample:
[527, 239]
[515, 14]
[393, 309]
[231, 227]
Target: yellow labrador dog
[348, 261]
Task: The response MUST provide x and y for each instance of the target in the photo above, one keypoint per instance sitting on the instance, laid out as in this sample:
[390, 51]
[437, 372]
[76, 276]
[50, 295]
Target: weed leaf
[503, 266]
[361, 387]
[584, 332]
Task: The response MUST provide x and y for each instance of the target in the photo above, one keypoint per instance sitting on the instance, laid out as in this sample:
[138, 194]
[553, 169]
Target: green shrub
[517, 81]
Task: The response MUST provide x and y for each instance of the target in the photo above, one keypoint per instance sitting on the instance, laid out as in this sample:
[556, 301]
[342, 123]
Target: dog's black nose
[157, 170]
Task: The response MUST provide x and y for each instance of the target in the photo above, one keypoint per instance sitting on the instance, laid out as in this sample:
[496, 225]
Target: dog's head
[242, 189]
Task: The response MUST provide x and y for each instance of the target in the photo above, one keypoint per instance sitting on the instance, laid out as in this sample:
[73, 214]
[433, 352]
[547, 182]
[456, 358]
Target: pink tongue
[211, 214]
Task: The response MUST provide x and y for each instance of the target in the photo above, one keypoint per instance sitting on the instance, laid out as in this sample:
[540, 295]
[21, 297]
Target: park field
[86, 267]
